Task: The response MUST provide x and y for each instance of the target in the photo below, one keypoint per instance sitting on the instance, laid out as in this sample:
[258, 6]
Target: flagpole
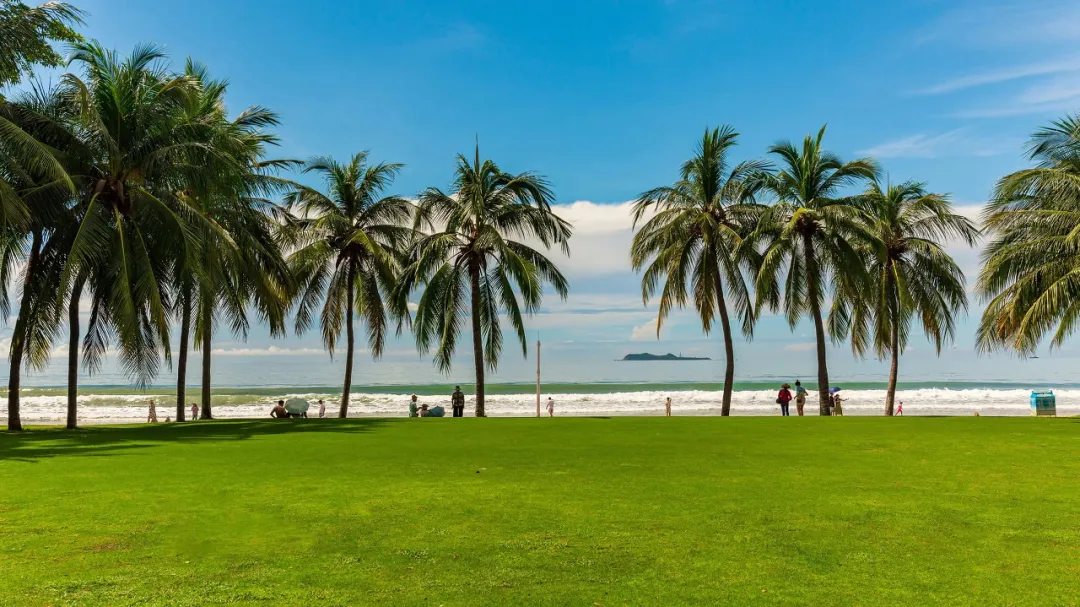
[538, 376]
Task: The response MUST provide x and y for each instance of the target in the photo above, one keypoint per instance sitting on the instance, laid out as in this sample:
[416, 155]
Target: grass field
[639, 511]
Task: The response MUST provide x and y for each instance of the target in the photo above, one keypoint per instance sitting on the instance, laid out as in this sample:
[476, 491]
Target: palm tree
[246, 269]
[809, 227]
[347, 246]
[697, 238]
[1031, 268]
[469, 254]
[28, 33]
[34, 230]
[910, 274]
[130, 155]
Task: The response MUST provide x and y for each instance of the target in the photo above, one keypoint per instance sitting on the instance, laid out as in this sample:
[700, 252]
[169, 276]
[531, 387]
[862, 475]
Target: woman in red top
[784, 399]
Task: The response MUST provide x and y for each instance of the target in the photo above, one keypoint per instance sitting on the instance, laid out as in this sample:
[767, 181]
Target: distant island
[668, 356]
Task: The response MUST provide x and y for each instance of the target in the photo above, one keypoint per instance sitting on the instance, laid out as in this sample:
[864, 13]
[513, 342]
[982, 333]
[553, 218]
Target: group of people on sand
[151, 413]
[457, 406]
[280, 412]
[835, 406]
[785, 396]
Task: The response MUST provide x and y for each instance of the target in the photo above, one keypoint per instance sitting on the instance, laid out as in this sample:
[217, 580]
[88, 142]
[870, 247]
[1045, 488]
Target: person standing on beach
[194, 412]
[151, 415]
[413, 406]
[667, 407]
[322, 409]
[784, 400]
[900, 409]
[837, 408]
[551, 407]
[800, 397]
[457, 402]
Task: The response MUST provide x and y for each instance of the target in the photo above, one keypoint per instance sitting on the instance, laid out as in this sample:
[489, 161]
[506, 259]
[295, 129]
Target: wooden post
[538, 378]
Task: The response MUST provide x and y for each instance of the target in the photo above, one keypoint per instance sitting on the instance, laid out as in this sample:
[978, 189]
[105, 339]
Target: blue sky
[607, 99]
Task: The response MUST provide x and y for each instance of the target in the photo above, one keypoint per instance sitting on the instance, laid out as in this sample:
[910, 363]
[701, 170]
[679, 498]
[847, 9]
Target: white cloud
[953, 143]
[646, 331]
[1016, 107]
[267, 351]
[1004, 74]
[1053, 90]
[593, 218]
[571, 320]
[601, 241]
[987, 23]
[1046, 28]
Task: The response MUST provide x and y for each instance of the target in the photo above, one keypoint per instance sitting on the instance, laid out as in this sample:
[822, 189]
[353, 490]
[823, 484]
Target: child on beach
[194, 412]
[900, 409]
[322, 409]
[551, 407]
[151, 415]
[667, 407]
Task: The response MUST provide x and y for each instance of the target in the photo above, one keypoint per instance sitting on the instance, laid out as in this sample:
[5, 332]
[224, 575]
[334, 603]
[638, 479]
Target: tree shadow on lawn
[32, 445]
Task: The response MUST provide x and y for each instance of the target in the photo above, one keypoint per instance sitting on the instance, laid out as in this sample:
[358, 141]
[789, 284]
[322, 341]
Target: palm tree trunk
[18, 337]
[73, 356]
[181, 363]
[729, 349]
[894, 342]
[208, 329]
[350, 340]
[890, 396]
[477, 336]
[813, 290]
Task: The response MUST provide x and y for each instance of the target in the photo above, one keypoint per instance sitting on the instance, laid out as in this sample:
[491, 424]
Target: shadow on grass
[32, 445]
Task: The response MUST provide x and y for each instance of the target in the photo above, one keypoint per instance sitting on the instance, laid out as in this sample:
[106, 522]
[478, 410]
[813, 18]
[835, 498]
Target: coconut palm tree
[809, 229]
[697, 238]
[130, 158]
[28, 33]
[34, 231]
[347, 246]
[468, 259]
[246, 269]
[910, 275]
[1031, 268]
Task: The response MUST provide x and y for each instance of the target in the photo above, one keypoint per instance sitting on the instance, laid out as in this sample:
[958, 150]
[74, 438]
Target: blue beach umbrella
[834, 389]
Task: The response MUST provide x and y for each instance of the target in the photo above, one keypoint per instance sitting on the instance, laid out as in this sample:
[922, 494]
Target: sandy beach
[132, 408]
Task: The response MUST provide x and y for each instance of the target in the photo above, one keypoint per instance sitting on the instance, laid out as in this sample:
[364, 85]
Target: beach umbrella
[834, 389]
[296, 406]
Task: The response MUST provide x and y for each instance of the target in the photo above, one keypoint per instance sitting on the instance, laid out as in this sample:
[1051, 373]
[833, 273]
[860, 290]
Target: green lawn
[645, 511]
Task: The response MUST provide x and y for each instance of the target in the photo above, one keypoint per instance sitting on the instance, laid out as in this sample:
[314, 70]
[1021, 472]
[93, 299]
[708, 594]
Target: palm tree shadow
[101, 441]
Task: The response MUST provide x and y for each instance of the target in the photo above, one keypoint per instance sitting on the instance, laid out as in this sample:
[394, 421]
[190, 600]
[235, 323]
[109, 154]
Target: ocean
[248, 388]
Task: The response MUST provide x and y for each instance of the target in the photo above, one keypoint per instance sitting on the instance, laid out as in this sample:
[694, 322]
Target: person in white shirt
[322, 409]
[551, 407]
